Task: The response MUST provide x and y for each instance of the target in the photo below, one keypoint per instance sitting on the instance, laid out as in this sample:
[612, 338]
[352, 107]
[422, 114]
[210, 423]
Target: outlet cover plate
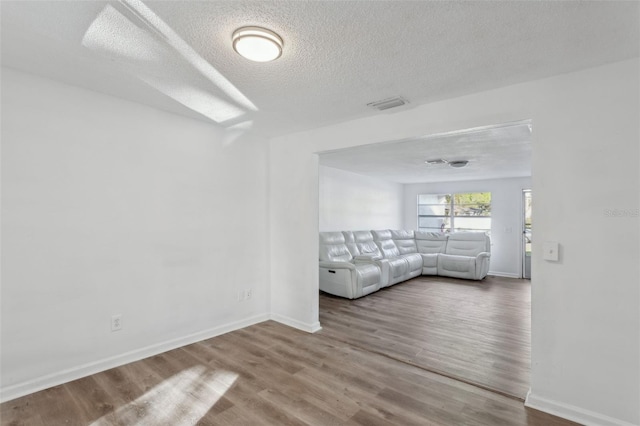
[116, 322]
[550, 251]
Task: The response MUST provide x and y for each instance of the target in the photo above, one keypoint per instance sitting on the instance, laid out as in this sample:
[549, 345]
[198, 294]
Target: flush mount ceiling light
[257, 44]
[458, 164]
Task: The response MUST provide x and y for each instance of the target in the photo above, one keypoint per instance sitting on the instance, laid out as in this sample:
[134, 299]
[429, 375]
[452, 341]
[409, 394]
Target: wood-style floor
[270, 374]
[475, 331]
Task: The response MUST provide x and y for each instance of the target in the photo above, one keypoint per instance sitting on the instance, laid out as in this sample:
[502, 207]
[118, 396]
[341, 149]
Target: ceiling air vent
[435, 161]
[388, 103]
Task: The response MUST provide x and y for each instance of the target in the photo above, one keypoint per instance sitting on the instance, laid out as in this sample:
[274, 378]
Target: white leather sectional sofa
[356, 263]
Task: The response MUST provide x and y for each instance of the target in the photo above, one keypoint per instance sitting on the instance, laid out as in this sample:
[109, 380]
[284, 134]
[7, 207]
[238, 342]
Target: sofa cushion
[432, 236]
[333, 248]
[365, 244]
[362, 236]
[430, 242]
[334, 253]
[404, 241]
[398, 267]
[414, 260]
[382, 234]
[402, 234]
[369, 248]
[429, 260]
[467, 244]
[332, 238]
[457, 266]
[368, 275]
[388, 248]
[453, 263]
[350, 241]
[406, 246]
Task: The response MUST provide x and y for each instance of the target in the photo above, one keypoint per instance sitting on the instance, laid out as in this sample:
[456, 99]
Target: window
[455, 212]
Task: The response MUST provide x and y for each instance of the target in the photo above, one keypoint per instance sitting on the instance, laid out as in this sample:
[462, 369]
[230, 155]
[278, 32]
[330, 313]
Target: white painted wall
[349, 201]
[506, 216]
[585, 319]
[293, 212]
[110, 207]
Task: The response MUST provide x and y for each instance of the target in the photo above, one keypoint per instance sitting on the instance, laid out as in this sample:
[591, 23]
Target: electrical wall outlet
[245, 294]
[116, 322]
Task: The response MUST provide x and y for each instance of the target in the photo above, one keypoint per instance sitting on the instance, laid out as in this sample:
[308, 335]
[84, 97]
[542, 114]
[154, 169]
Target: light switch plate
[550, 251]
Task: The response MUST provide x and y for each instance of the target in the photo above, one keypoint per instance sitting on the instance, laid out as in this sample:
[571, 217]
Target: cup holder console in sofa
[356, 263]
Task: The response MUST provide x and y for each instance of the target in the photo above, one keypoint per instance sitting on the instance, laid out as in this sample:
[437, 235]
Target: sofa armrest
[337, 265]
[482, 265]
[383, 264]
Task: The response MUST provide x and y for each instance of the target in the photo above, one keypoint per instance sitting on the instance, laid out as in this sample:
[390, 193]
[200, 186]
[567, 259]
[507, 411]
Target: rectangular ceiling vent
[388, 103]
[435, 161]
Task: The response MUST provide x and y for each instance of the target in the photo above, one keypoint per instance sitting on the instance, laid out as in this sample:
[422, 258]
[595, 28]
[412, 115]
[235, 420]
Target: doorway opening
[382, 186]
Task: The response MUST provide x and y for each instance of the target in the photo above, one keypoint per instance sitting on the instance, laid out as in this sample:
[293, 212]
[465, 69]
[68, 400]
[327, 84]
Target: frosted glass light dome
[257, 44]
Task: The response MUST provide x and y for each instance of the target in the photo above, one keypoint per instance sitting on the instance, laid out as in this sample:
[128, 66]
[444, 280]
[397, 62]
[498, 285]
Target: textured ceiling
[493, 152]
[338, 55]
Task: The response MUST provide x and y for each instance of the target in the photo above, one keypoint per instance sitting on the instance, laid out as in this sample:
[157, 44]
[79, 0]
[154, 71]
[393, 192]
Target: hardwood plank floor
[477, 332]
[269, 374]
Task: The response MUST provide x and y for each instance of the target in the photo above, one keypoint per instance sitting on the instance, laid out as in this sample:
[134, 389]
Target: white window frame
[449, 214]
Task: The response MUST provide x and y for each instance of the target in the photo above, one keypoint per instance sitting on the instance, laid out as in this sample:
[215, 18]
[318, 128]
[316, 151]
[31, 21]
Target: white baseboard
[504, 274]
[571, 412]
[309, 328]
[34, 385]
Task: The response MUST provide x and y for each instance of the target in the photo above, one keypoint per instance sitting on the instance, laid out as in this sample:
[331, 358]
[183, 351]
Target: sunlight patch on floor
[182, 399]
